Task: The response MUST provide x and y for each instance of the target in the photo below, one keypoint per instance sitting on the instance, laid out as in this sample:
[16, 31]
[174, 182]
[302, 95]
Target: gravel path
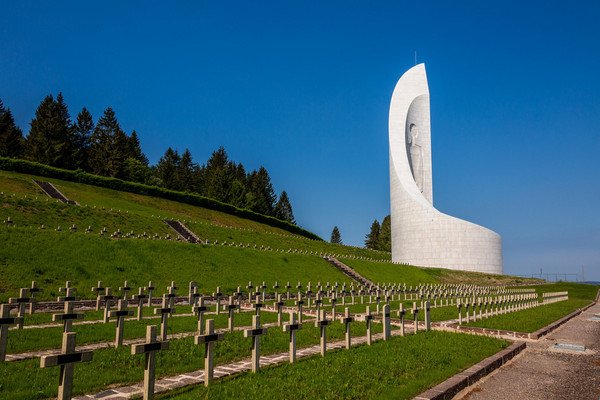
[542, 372]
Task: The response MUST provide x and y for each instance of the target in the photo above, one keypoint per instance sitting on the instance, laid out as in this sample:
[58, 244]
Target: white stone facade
[422, 235]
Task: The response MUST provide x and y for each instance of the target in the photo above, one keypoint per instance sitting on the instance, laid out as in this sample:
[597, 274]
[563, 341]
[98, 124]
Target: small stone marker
[292, 327]
[120, 314]
[346, 320]
[278, 305]
[140, 297]
[427, 316]
[231, 307]
[258, 305]
[255, 333]
[387, 329]
[108, 299]
[125, 290]
[32, 291]
[217, 295]
[149, 349]
[415, 312]
[322, 322]
[401, 314]
[299, 303]
[199, 309]
[66, 360]
[21, 301]
[164, 312]
[99, 289]
[5, 321]
[209, 353]
[150, 288]
[67, 316]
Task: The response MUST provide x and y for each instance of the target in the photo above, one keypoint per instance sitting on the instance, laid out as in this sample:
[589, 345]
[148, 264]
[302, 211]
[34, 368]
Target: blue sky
[303, 88]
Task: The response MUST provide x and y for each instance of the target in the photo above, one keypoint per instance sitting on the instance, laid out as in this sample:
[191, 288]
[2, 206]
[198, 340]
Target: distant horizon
[304, 90]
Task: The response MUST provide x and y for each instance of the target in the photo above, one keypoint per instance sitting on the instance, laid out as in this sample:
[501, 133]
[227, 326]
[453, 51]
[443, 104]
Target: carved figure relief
[415, 155]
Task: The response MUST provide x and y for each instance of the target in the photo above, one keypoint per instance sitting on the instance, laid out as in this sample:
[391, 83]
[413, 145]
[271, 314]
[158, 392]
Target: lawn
[399, 369]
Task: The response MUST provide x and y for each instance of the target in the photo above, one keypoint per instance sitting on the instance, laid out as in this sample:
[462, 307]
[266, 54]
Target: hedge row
[33, 168]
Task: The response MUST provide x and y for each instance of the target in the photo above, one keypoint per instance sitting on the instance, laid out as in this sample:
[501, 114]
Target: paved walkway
[542, 372]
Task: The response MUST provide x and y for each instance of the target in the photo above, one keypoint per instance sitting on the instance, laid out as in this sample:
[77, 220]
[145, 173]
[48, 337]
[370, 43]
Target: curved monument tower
[421, 235]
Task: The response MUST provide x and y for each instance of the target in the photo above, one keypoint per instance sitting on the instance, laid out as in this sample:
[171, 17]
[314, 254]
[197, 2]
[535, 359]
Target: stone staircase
[349, 271]
[183, 231]
[53, 192]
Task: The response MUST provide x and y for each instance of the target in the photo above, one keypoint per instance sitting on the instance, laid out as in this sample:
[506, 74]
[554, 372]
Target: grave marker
[322, 322]
[32, 291]
[98, 289]
[20, 301]
[218, 295]
[387, 329]
[164, 312]
[140, 297]
[199, 309]
[67, 316]
[108, 299]
[125, 289]
[255, 333]
[5, 321]
[120, 314]
[346, 320]
[292, 327]
[415, 312]
[278, 305]
[150, 288]
[66, 360]
[258, 305]
[231, 309]
[149, 349]
[209, 353]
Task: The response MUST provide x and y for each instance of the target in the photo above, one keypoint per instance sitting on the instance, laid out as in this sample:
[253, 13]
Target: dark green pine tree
[336, 237]
[217, 180]
[238, 187]
[283, 209]
[263, 195]
[82, 135]
[135, 149]
[109, 147]
[385, 236]
[12, 143]
[51, 140]
[372, 238]
[185, 172]
[167, 169]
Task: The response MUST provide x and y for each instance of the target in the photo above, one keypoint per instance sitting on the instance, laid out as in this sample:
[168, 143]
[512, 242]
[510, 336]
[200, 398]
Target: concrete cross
[199, 309]
[278, 305]
[209, 353]
[108, 298]
[67, 316]
[322, 322]
[333, 303]
[66, 360]
[32, 291]
[459, 306]
[255, 333]
[387, 329]
[140, 297]
[299, 302]
[69, 292]
[20, 301]
[164, 311]
[192, 285]
[264, 289]
[249, 287]
[149, 349]
[292, 327]
[150, 288]
[217, 295]
[318, 302]
[171, 295]
[125, 290]
[427, 316]
[120, 313]
[99, 289]
[401, 314]
[276, 288]
[346, 320]
[288, 287]
[257, 305]
[5, 321]
[231, 307]
[239, 295]
[415, 312]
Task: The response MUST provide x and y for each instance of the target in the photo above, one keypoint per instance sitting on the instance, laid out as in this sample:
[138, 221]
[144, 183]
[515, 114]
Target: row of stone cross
[484, 307]
[209, 337]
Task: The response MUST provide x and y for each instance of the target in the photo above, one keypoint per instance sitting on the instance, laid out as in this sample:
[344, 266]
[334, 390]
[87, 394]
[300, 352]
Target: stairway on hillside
[183, 231]
[348, 271]
[53, 192]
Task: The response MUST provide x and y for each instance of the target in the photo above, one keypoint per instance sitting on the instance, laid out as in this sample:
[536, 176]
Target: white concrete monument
[422, 235]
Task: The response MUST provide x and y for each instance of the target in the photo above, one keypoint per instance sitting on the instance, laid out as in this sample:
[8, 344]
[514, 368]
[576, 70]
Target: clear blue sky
[303, 88]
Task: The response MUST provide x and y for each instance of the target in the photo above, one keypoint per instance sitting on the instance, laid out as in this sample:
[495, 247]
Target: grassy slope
[385, 272]
[52, 258]
[126, 211]
[399, 369]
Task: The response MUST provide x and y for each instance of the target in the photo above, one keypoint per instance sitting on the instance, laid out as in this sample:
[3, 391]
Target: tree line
[104, 148]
